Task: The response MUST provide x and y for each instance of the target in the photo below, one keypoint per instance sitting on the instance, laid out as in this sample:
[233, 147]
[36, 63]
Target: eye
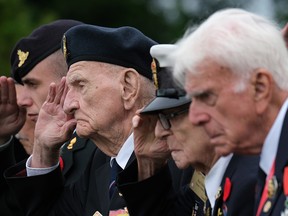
[30, 84]
[207, 97]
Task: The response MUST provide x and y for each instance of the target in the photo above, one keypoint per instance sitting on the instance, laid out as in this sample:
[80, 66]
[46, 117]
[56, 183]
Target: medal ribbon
[264, 195]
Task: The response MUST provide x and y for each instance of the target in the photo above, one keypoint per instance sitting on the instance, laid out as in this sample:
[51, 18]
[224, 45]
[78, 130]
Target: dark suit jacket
[8, 204]
[281, 161]
[75, 160]
[159, 198]
[242, 172]
[45, 195]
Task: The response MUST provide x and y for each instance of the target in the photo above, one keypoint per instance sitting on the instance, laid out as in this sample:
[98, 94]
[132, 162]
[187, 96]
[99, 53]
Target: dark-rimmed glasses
[165, 118]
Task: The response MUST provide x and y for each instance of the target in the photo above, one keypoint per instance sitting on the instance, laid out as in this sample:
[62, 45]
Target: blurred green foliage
[153, 17]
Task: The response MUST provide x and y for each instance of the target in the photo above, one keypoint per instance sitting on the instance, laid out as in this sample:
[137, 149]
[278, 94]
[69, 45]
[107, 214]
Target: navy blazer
[159, 198]
[281, 161]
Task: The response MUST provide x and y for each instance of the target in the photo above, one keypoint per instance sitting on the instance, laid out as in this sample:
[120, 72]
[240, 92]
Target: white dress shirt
[214, 177]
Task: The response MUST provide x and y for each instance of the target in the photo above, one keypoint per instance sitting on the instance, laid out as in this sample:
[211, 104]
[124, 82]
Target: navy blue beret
[41, 43]
[124, 46]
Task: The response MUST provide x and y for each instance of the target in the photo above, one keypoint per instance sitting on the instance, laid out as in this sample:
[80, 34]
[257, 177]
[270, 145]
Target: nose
[197, 116]
[160, 132]
[70, 103]
[24, 99]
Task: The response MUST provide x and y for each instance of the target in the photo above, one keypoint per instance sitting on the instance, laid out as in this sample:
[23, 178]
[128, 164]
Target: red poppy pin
[227, 189]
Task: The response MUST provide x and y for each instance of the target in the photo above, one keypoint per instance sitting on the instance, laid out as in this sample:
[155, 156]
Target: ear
[262, 81]
[130, 87]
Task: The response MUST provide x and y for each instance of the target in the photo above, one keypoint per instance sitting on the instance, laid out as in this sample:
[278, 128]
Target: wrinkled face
[189, 144]
[35, 89]
[224, 104]
[94, 99]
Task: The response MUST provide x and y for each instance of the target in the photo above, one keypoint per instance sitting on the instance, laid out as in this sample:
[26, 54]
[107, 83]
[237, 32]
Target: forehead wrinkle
[74, 77]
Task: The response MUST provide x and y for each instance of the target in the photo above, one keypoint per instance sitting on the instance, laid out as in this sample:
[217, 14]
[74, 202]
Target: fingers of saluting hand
[57, 93]
[7, 89]
[65, 90]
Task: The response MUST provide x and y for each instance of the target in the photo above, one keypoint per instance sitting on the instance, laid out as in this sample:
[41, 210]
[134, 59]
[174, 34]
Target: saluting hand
[151, 152]
[12, 117]
[53, 127]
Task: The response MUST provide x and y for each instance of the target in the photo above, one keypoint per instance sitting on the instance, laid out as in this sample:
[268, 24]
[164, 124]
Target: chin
[223, 151]
[82, 133]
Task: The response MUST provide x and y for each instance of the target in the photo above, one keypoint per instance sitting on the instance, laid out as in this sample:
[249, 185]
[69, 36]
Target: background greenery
[163, 20]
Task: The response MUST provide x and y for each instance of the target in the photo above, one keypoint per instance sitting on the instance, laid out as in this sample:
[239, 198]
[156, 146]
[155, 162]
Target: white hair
[236, 39]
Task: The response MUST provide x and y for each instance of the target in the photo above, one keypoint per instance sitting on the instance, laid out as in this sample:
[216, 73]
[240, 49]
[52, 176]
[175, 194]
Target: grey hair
[236, 39]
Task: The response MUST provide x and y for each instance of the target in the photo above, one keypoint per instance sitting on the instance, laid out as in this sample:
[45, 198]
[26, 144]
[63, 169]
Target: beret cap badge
[154, 73]
[22, 56]
[64, 46]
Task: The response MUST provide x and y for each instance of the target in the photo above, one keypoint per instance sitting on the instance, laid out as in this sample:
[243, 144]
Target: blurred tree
[163, 20]
[17, 20]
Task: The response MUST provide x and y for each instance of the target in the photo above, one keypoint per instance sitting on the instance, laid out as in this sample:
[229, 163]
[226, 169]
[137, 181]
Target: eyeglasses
[165, 118]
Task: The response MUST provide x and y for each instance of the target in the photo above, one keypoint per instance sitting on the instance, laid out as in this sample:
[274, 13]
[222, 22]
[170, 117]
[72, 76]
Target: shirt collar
[271, 142]
[125, 152]
[214, 177]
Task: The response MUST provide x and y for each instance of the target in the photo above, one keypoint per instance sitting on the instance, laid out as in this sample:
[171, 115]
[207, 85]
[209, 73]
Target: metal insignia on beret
[22, 56]
[154, 73]
[64, 47]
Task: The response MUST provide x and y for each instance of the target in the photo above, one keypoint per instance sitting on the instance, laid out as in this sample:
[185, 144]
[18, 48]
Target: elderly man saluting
[108, 80]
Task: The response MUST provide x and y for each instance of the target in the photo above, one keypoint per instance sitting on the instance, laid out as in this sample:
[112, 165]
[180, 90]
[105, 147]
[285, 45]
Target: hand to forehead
[12, 117]
[54, 126]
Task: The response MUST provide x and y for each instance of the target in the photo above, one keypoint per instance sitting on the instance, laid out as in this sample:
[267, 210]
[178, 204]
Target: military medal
[218, 196]
[267, 206]
[272, 187]
[285, 191]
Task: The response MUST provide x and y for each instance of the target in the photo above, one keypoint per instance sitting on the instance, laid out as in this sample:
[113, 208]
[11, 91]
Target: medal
[267, 206]
[272, 187]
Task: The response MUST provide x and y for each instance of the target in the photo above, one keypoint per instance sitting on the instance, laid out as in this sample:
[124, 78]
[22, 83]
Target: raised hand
[53, 127]
[12, 117]
[151, 152]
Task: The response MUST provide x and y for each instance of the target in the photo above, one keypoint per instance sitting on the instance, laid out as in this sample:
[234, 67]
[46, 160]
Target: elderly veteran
[108, 80]
[239, 88]
[229, 179]
[36, 61]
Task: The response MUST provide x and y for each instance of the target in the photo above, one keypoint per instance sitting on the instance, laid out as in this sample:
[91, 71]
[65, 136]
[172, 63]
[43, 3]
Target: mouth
[33, 117]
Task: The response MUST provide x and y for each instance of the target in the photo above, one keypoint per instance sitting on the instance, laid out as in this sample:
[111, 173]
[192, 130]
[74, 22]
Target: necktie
[264, 195]
[115, 169]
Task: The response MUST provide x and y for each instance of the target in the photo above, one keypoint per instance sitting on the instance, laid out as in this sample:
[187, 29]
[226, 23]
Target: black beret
[41, 43]
[124, 46]
[168, 93]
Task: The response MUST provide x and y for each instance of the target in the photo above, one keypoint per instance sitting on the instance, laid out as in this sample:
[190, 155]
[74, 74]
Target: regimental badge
[219, 212]
[154, 73]
[64, 45]
[272, 187]
[22, 56]
[71, 144]
[219, 192]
